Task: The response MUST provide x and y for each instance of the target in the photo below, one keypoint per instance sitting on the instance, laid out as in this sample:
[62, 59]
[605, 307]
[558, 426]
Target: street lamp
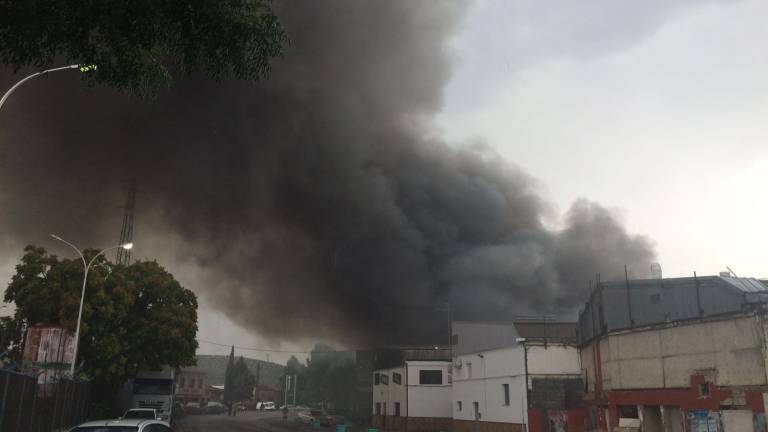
[126, 246]
[83, 68]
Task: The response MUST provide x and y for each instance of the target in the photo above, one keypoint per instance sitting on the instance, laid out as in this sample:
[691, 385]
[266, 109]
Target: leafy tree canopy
[134, 317]
[138, 45]
[239, 381]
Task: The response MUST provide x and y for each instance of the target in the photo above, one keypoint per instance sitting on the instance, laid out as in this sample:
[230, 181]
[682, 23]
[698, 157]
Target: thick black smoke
[317, 203]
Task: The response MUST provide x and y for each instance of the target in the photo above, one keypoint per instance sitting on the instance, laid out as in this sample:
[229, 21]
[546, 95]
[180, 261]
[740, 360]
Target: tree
[139, 45]
[134, 317]
[238, 380]
[331, 377]
[229, 377]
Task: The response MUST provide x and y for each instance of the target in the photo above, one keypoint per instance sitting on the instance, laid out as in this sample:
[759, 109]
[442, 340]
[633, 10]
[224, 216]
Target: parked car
[268, 406]
[192, 408]
[214, 408]
[123, 425]
[318, 416]
[141, 413]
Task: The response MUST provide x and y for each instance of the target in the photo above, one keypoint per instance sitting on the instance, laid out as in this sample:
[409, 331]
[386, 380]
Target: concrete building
[414, 396]
[367, 361]
[192, 385]
[681, 354]
[510, 377]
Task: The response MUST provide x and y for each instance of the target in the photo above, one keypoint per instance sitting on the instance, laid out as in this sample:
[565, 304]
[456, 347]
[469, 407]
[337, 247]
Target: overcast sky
[657, 109]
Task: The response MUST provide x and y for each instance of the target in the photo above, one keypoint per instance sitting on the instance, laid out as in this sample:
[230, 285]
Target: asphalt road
[244, 421]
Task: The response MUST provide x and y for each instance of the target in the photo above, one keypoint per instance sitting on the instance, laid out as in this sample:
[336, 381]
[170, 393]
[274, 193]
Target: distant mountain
[216, 365]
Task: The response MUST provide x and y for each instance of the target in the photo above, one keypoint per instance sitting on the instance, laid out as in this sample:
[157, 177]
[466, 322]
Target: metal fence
[26, 406]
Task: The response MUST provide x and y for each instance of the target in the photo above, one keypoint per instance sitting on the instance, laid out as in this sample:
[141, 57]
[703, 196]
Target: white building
[513, 377]
[414, 396]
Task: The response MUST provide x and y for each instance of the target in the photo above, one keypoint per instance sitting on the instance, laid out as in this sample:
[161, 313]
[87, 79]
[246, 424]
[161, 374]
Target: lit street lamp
[126, 246]
[83, 68]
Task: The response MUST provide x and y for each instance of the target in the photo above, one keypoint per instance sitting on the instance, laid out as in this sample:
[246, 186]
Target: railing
[29, 406]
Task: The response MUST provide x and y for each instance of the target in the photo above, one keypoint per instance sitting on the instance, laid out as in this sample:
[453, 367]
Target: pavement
[244, 421]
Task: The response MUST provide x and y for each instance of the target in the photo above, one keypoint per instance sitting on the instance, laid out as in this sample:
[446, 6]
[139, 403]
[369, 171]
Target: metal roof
[620, 305]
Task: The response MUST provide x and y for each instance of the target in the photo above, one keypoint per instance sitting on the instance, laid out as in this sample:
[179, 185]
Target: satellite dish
[457, 363]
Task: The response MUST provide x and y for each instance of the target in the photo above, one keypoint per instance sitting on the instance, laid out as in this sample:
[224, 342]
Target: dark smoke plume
[317, 203]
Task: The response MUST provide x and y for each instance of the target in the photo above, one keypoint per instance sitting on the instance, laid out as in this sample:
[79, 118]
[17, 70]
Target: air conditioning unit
[457, 363]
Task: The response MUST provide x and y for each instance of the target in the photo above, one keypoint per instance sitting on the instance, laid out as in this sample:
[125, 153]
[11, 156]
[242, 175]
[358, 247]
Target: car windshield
[105, 429]
[152, 386]
[140, 414]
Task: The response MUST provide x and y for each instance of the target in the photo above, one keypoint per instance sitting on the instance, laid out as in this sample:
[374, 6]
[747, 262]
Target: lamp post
[83, 68]
[87, 266]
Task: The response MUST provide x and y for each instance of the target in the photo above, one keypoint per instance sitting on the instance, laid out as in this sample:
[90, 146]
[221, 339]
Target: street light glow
[127, 246]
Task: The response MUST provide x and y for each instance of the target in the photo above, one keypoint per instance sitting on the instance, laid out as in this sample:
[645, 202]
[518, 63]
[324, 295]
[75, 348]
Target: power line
[273, 350]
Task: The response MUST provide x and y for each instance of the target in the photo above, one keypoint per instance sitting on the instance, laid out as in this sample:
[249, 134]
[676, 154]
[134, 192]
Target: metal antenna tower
[126, 232]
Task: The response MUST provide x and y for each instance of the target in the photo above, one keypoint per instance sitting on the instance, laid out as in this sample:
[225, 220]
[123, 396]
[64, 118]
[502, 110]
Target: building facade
[510, 377]
[192, 386]
[682, 354]
[414, 396]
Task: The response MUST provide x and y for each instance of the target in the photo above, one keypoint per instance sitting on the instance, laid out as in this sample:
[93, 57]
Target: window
[704, 389]
[427, 376]
[384, 410]
[397, 409]
[469, 370]
[476, 406]
[192, 383]
[385, 379]
[378, 408]
[458, 405]
[505, 388]
[655, 298]
[397, 378]
[181, 382]
[376, 378]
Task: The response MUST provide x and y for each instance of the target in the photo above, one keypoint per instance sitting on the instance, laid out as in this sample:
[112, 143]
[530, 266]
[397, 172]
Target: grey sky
[656, 109]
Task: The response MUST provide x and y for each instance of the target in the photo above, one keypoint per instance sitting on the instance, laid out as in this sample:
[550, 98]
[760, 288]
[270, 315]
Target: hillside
[215, 365]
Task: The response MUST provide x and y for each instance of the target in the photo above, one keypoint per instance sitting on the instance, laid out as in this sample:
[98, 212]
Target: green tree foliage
[330, 377]
[134, 317]
[139, 45]
[239, 381]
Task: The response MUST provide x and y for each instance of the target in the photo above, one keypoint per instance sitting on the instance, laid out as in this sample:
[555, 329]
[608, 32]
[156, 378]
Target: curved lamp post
[87, 265]
[83, 68]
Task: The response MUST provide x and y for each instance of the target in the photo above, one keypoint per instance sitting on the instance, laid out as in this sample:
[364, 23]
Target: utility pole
[126, 232]
[287, 387]
[295, 384]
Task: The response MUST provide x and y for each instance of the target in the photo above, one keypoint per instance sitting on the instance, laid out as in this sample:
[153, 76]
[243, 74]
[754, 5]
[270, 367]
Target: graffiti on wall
[558, 421]
[705, 421]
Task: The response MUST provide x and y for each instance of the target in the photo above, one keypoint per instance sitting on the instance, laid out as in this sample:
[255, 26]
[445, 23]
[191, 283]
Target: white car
[123, 425]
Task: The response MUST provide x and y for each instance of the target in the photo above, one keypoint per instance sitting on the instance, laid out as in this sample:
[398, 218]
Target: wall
[390, 393]
[667, 357]
[428, 400]
[553, 359]
[473, 337]
[484, 385]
